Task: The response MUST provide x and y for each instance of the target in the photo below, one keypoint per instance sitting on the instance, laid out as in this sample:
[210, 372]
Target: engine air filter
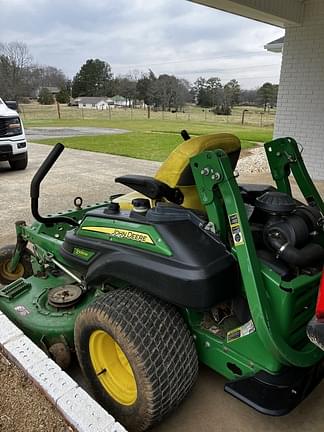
[275, 202]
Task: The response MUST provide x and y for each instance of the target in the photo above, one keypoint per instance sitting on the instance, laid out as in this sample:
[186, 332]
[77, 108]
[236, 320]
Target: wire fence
[252, 116]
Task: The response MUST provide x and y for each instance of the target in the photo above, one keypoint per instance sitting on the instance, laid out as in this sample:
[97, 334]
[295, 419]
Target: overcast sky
[168, 36]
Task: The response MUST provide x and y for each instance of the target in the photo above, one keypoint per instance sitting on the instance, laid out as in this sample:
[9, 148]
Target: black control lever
[35, 186]
[185, 135]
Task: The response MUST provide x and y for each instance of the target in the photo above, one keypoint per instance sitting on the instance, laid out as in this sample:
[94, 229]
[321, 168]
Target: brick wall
[301, 94]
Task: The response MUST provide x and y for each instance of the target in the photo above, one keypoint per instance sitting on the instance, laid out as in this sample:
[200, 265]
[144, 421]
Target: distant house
[93, 102]
[103, 102]
[120, 101]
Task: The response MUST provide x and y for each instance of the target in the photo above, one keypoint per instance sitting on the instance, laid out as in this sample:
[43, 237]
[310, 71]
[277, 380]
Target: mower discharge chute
[189, 266]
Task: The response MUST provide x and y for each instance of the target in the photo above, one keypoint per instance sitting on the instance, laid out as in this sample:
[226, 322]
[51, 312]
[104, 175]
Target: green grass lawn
[134, 144]
[147, 139]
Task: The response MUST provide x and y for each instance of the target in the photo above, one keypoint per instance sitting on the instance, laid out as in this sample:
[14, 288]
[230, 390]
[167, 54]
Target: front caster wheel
[137, 356]
[24, 267]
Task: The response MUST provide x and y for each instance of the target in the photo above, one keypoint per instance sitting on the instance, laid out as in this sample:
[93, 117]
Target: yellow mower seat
[176, 172]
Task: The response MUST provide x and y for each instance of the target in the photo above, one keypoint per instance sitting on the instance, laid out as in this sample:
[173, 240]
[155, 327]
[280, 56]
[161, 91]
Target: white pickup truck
[13, 144]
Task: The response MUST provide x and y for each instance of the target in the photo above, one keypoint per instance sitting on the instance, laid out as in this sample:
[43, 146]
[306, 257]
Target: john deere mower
[188, 267]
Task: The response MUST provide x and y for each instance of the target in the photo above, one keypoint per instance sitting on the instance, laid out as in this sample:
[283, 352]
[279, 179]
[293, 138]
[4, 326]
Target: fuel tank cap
[112, 208]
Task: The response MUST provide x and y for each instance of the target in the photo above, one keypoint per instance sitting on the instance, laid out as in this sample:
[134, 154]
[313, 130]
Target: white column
[300, 111]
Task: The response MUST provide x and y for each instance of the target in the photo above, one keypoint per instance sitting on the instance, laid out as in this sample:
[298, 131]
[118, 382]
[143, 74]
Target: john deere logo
[122, 234]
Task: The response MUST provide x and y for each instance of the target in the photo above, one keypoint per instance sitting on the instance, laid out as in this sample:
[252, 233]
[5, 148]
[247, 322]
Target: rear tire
[24, 268]
[157, 363]
[19, 164]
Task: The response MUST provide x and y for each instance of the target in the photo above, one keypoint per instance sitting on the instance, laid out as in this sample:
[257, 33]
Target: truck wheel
[24, 268]
[137, 355]
[19, 164]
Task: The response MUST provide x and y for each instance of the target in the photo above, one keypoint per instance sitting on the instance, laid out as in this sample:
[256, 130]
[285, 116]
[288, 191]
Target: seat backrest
[176, 170]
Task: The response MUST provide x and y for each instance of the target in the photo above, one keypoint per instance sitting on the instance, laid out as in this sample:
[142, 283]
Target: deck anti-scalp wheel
[24, 267]
[137, 356]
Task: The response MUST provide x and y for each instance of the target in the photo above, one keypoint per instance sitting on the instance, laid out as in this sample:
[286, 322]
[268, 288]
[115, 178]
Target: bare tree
[17, 53]
[15, 61]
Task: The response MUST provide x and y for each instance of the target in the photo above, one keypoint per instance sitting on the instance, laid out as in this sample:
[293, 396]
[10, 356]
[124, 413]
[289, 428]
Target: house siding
[300, 112]
[96, 106]
[278, 12]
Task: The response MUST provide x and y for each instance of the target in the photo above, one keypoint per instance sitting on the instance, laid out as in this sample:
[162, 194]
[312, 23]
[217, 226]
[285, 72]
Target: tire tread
[160, 340]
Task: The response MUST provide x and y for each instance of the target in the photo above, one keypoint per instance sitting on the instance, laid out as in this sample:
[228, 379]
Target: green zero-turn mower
[190, 266]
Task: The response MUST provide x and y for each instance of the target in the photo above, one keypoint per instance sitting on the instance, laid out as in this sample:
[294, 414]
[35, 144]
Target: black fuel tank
[199, 274]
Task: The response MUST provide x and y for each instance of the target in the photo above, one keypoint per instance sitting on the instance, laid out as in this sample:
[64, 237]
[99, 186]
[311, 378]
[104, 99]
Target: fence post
[243, 116]
[58, 110]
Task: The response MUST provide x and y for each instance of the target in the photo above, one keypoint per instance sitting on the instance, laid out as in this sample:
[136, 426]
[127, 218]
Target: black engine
[285, 233]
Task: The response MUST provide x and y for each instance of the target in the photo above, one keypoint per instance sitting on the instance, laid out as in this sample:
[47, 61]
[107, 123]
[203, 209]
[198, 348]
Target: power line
[233, 56]
[240, 79]
[212, 70]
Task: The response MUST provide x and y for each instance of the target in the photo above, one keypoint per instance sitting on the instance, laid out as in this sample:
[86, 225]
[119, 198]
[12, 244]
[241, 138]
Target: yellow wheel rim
[112, 368]
[11, 276]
